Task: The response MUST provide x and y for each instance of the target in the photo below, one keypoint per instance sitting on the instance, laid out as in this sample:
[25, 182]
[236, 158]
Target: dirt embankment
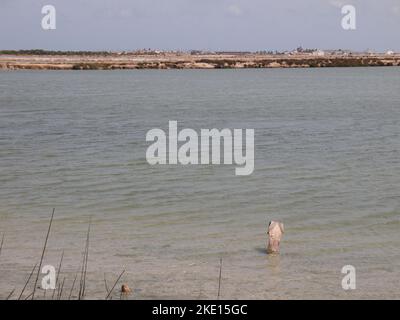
[187, 61]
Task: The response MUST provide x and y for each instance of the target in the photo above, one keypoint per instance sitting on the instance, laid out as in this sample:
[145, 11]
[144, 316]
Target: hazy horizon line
[201, 50]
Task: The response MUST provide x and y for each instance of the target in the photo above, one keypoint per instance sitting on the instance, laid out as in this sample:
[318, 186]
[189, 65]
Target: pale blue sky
[199, 24]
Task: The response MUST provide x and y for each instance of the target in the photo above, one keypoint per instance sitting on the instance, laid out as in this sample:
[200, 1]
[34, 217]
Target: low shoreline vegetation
[146, 59]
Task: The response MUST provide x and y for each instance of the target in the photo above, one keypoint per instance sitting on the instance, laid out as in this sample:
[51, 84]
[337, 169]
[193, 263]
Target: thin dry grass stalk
[58, 274]
[72, 288]
[219, 279]
[86, 260]
[2, 242]
[43, 252]
[82, 285]
[109, 292]
[105, 283]
[61, 290]
[30, 295]
[27, 281]
[10, 295]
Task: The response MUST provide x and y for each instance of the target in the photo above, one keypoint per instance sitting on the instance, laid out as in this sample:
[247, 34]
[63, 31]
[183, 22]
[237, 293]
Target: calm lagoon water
[327, 164]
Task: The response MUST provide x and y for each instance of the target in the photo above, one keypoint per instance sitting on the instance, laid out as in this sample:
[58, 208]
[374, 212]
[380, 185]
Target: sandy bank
[188, 61]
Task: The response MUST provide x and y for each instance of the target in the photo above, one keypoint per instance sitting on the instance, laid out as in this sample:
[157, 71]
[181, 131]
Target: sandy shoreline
[188, 61]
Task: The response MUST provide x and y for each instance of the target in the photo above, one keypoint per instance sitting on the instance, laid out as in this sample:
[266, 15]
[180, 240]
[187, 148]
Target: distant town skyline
[211, 25]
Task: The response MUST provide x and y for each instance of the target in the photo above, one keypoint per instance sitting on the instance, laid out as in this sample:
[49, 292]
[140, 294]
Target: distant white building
[318, 53]
[389, 52]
